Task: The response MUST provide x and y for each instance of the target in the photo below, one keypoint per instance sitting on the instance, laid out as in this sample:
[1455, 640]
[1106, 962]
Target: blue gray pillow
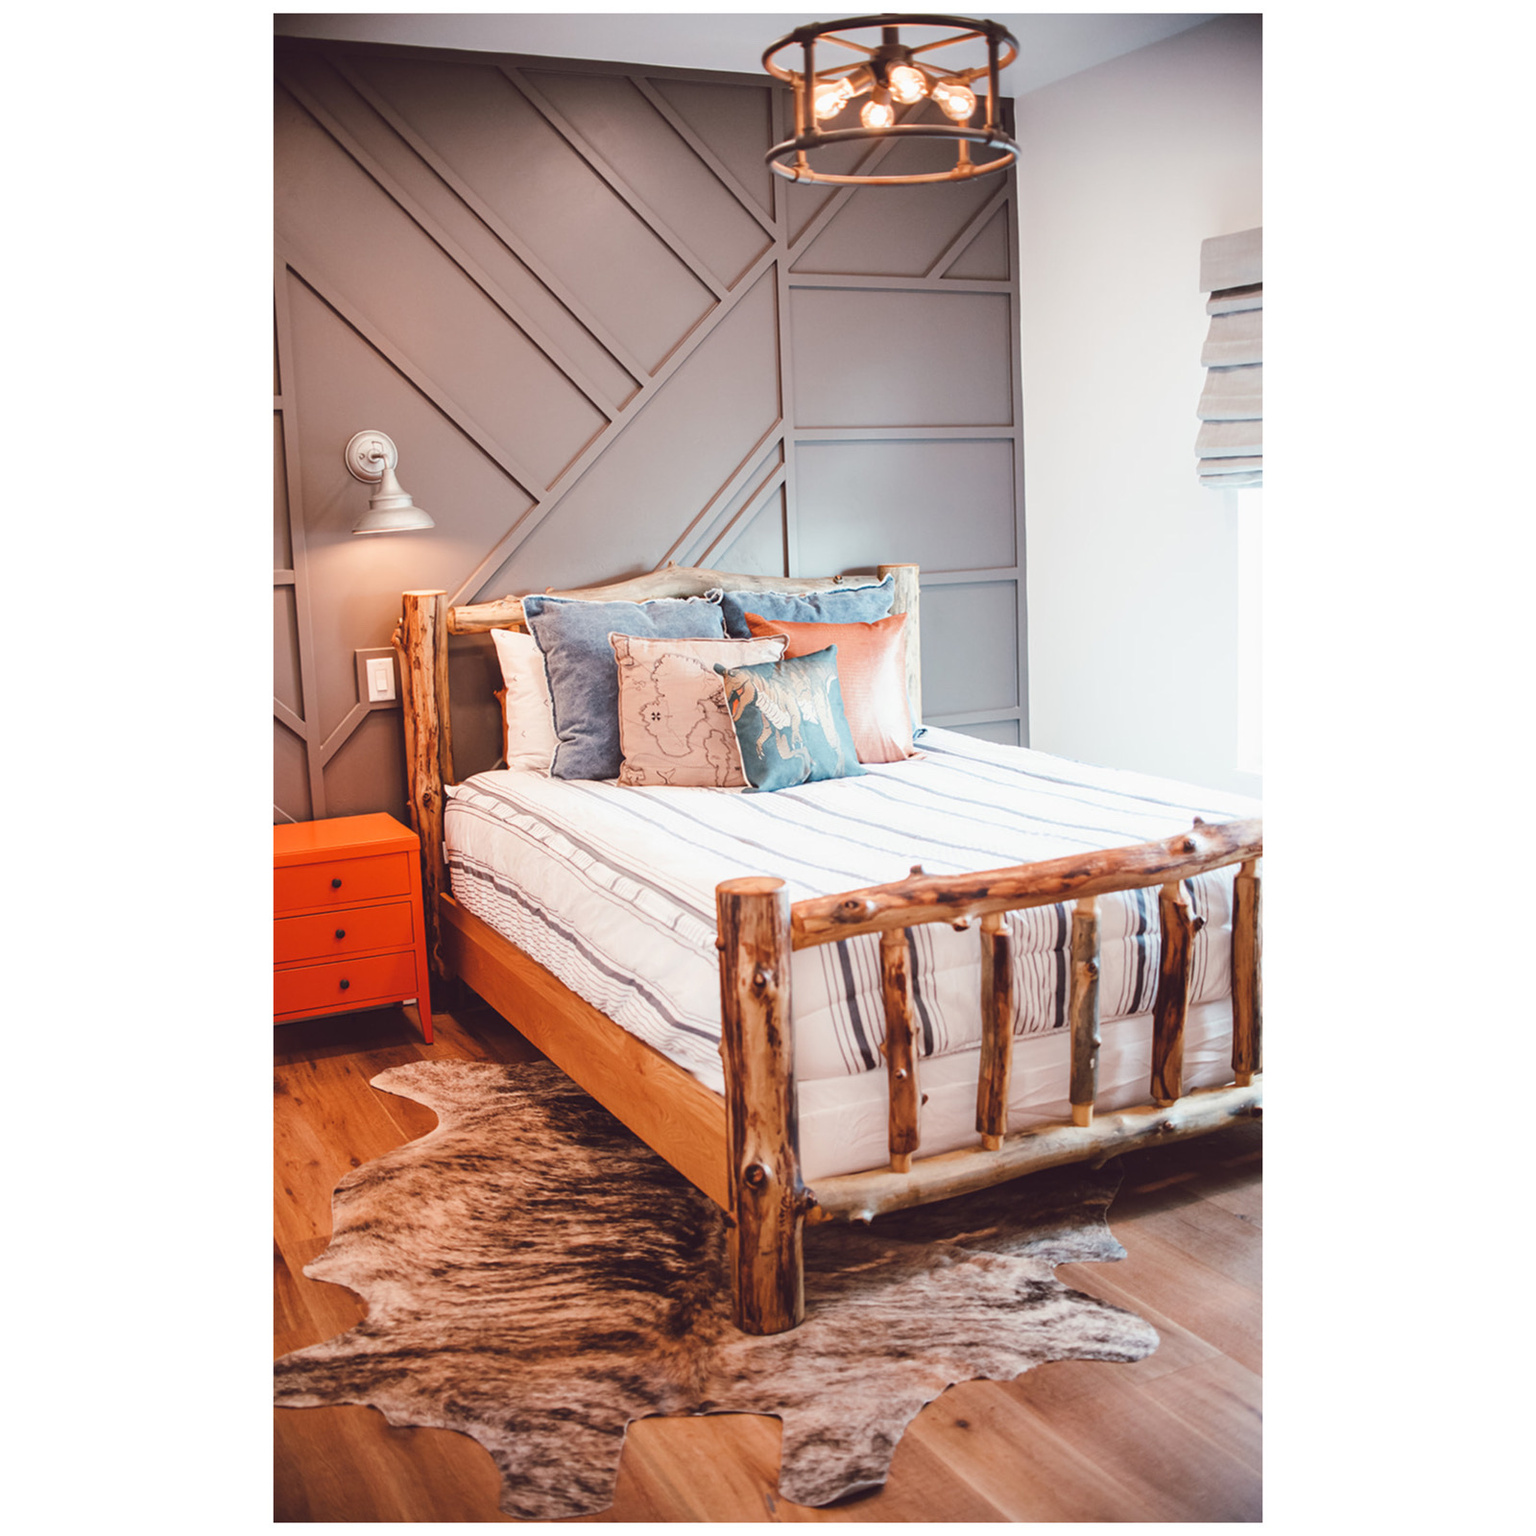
[837, 605]
[583, 676]
[812, 742]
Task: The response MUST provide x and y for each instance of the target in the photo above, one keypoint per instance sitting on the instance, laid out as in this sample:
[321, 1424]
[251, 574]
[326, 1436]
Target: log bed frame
[741, 1150]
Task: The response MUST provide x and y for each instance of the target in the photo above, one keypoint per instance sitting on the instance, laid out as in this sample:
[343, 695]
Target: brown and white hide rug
[536, 1278]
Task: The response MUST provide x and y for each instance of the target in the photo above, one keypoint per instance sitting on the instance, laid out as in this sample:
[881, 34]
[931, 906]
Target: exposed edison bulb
[907, 83]
[955, 98]
[831, 99]
[878, 111]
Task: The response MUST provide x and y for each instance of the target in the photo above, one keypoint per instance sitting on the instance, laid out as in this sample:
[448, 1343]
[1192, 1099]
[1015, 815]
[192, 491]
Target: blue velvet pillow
[837, 605]
[789, 721]
[583, 676]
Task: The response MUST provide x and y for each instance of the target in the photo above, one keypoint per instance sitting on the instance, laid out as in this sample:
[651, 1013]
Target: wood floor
[1174, 1437]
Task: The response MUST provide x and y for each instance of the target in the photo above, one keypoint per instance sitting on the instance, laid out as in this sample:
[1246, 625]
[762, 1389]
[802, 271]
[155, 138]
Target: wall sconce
[371, 457]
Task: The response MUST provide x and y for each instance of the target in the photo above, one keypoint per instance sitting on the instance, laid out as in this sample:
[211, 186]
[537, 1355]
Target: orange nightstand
[347, 923]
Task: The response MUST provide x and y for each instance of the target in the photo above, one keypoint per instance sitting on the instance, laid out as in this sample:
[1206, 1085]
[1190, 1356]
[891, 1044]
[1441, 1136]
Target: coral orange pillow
[872, 672]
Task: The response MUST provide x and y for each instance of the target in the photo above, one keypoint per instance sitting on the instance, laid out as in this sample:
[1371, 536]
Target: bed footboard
[759, 932]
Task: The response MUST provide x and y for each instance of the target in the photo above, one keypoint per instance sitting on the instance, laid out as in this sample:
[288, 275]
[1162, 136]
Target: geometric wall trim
[603, 336]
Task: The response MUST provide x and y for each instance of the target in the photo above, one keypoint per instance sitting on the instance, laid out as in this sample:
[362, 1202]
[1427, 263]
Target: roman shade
[1231, 438]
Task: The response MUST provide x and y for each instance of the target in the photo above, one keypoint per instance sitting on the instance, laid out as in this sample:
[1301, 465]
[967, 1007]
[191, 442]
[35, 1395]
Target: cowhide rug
[536, 1278]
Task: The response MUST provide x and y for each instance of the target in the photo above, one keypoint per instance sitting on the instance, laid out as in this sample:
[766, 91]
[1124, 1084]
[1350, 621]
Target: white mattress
[612, 889]
[844, 1120]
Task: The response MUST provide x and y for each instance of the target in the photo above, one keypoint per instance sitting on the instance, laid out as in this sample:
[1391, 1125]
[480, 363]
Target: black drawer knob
[345, 983]
[341, 933]
[336, 883]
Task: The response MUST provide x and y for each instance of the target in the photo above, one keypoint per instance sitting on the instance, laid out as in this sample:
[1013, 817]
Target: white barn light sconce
[371, 457]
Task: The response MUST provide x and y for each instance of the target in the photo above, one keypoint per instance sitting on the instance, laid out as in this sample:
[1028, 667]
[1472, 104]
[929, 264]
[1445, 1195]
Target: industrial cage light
[893, 74]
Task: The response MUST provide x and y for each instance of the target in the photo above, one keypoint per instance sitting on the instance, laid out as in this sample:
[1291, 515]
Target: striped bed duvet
[612, 889]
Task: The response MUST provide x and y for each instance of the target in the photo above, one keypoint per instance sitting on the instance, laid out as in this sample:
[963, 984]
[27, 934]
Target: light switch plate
[376, 686]
[381, 678]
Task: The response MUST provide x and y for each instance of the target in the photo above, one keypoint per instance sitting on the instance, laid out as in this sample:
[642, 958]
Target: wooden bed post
[1247, 972]
[767, 1200]
[421, 643]
[1083, 1009]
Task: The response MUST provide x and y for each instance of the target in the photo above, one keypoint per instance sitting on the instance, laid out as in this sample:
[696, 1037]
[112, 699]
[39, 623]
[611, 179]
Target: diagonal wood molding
[298, 575]
[455, 252]
[482, 210]
[952, 252]
[578, 141]
[754, 502]
[723, 174]
[727, 491]
[312, 272]
[765, 463]
[508, 544]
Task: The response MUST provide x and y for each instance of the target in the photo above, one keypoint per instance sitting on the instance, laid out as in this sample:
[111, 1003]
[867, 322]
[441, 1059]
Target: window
[1250, 631]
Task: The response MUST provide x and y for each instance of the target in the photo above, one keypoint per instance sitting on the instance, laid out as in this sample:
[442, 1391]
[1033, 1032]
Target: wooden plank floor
[1173, 1437]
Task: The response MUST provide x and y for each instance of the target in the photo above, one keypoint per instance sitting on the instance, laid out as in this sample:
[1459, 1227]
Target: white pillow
[530, 716]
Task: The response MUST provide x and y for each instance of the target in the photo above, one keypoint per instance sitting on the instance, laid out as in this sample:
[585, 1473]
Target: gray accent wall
[603, 336]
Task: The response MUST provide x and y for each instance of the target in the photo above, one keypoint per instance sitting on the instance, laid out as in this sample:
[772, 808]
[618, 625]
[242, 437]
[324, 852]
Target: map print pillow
[673, 724]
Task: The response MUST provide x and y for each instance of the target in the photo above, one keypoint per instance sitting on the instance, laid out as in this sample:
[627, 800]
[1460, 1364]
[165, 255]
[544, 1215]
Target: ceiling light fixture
[894, 74]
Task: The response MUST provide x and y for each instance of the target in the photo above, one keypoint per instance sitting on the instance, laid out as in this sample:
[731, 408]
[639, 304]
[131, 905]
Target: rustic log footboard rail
[758, 932]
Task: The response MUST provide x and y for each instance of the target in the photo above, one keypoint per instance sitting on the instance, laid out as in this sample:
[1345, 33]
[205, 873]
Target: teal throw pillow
[789, 721]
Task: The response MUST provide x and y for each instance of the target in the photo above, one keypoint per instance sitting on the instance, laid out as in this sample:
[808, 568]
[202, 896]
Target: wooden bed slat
[1172, 1002]
[1083, 1009]
[900, 1056]
[767, 1198]
[1247, 971]
[996, 1031]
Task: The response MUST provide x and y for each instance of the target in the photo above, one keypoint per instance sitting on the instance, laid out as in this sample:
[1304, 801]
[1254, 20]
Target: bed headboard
[421, 644]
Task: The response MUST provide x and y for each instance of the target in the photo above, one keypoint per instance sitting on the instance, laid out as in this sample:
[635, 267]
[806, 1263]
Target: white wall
[1132, 565]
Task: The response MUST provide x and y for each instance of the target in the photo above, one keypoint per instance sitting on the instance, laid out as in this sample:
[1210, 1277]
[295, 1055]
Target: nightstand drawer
[337, 882]
[325, 935]
[344, 983]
